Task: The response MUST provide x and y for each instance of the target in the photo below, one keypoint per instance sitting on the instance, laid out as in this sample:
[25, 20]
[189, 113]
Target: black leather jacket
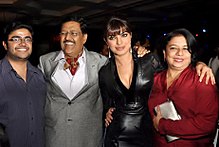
[146, 67]
[131, 119]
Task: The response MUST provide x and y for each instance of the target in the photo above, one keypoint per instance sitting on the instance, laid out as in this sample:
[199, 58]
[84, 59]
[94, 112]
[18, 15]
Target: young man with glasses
[22, 89]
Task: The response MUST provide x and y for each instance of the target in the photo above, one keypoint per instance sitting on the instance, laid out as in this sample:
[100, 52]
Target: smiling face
[72, 39]
[119, 43]
[176, 54]
[19, 44]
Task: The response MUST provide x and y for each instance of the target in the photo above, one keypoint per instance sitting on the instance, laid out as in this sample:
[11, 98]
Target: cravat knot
[72, 64]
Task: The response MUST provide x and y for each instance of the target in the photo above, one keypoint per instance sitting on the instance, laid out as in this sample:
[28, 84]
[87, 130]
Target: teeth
[22, 49]
[69, 43]
[179, 60]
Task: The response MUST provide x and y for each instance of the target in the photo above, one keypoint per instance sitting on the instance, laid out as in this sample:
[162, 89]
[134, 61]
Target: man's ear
[5, 45]
[84, 38]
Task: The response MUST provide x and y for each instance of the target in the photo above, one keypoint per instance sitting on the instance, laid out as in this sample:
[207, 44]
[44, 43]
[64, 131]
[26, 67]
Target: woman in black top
[125, 84]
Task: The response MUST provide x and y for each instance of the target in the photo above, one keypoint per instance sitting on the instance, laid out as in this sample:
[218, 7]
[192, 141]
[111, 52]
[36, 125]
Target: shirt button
[69, 102]
[69, 119]
[31, 133]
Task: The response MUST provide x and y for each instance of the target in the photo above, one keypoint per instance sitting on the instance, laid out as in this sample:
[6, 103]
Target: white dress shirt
[68, 83]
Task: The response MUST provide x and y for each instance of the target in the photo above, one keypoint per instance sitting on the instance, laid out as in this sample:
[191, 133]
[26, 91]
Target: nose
[118, 40]
[180, 52]
[68, 36]
[23, 42]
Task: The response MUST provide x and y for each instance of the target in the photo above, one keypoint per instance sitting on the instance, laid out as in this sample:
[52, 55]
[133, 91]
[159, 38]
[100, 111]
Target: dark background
[150, 19]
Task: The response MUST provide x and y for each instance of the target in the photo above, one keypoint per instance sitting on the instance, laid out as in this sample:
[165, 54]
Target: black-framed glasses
[18, 39]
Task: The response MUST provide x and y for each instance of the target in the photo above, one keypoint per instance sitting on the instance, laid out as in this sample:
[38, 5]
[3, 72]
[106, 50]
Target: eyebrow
[21, 37]
[117, 33]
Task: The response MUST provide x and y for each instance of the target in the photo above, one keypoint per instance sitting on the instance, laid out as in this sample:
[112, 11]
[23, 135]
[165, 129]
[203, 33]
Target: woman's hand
[141, 51]
[157, 118]
[109, 117]
[203, 70]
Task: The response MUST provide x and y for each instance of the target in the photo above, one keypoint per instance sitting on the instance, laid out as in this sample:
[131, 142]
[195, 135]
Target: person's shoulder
[1, 65]
[192, 74]
[158, 75]
[96, 58]
[105, 66]
[5, 66]
[96, 55]
[34, 69]
[108, 66]
[192, 78]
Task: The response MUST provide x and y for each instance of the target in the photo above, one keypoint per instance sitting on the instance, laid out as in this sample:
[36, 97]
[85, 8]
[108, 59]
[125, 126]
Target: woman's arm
[201, 123]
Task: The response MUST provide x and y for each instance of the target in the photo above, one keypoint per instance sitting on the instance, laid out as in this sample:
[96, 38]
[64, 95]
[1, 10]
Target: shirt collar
[83, 57]
[8, 68]
[61, 56]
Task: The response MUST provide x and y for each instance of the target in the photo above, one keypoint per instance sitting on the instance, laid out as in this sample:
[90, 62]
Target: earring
[130, 50]
[109, 55]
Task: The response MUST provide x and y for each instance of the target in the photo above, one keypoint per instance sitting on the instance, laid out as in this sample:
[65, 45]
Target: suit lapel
[54, 66]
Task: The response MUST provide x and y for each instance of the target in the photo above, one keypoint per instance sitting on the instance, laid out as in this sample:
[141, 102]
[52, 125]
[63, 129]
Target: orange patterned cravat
[72, 64]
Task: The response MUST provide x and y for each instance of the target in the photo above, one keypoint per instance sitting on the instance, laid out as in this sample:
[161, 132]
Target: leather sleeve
[103, 78]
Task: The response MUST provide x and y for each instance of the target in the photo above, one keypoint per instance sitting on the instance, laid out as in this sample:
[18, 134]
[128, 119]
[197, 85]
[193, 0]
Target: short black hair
[190, 39]
[79, 19]
[15, 26]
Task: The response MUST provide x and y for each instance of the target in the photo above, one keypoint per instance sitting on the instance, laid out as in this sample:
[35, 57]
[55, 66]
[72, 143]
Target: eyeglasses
[18, 39]
[72, 33]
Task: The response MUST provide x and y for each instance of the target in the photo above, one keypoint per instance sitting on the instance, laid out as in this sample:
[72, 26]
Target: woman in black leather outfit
[125, 84]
